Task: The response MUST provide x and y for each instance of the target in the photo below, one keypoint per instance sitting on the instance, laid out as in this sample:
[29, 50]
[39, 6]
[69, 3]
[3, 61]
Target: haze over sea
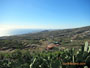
[20, 31]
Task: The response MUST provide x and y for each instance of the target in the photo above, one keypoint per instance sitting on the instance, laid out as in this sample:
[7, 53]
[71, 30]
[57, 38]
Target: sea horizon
[20, 32]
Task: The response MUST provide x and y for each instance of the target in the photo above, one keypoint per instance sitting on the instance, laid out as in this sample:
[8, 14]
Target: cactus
[89, 49]
[73, 53]
[32, 63]
[86, 46]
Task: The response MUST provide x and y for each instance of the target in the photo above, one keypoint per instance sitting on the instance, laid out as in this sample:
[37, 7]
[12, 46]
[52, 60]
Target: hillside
[67, 38]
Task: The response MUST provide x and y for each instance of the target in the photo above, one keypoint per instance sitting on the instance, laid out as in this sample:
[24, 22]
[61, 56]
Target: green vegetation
[46, 59]
[28, 51]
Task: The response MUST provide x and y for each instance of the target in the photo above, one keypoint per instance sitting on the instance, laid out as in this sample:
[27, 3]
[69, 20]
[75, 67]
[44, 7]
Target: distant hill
[76, 33]
[43, 38]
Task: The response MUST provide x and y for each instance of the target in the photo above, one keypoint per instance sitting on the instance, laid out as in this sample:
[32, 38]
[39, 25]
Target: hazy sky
[44, 14]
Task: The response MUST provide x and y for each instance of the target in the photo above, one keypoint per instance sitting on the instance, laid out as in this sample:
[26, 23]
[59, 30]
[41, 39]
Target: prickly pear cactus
[31, 65]
[89, 49]
[73, 55]
[86, 46]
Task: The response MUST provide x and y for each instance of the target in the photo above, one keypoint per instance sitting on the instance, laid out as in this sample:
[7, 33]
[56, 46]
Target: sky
[43, 14]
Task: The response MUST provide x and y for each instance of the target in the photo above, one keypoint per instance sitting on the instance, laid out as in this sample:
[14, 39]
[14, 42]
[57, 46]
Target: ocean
[20, 32]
